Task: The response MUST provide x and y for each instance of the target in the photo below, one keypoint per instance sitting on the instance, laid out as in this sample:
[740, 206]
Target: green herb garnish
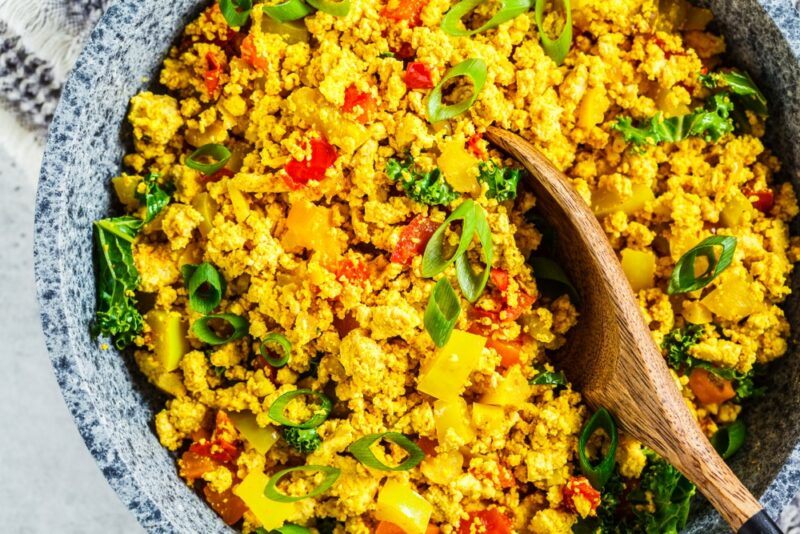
[361, 450]
[236, 12]
[424, 187]
[442, 312]
[557, 48]
[452, 23]
[276, 411]
[599, 473]
[551, 277]
[547, 378]
[744, 90]
[304, 440]
[502, 181]
[154, 198]
[205, 286]
[331, 474]
[474, 69]
[670, 493]
[683, 278]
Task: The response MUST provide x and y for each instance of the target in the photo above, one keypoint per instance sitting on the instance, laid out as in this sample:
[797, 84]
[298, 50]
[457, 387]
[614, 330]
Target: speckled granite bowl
[113, 405]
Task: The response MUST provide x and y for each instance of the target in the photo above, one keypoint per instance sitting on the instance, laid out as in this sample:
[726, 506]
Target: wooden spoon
[612, 358]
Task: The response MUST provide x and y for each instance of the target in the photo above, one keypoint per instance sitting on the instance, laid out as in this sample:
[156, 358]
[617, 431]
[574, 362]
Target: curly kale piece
[710, 122]
[671, 495]
[304, 440]
[502, 181]
[423, 187]
[745, 92]
[154, 198]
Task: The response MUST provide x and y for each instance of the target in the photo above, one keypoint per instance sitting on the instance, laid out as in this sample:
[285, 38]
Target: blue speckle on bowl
[113, 405]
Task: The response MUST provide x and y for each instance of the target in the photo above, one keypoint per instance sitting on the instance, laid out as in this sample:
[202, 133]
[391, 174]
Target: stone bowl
[112, 403]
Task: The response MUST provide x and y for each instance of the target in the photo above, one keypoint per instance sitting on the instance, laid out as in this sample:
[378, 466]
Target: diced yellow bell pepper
[399, 504]
[125, 186]
[453, 422]
[270, 513]
[241, 206]
[170, 383]
[260, 438]
[490, 419]
[733, 299]
[639, 267]
[696, 313]
[606, 202]
[169, 332]
[311, 107]
[511, 390]
[459, 166]
[207, 207]
[292, 32]
[443, 468]
[308, 226]
[446, 375]
[593, 107]
[738, 210]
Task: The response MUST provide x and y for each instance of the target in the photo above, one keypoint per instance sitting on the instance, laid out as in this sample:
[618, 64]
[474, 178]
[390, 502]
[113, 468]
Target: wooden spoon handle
[760, 523]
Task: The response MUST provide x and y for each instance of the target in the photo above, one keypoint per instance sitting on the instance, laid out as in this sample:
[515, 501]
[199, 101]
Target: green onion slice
[598, 474]
[508, 10]
[331, 474]
[288, 529]
[729, 439]
[442, 312]
[683, 278]
[547, 378]
[363, 453]
[236, 12]
[283, 344]
[473, 284]
[218, 153]
[280, 404]
[546, 271]
[433, 259]
[337, 9]
[475, 70]
[205, 334]
[205, 285]
[288, 11]
[557, 48]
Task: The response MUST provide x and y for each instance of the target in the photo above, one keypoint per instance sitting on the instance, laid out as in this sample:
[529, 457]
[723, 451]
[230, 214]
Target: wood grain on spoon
[612, 358]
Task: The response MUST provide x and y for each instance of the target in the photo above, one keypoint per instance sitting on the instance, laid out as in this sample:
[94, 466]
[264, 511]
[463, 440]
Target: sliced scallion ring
[598, 474]
[473, 284]
[283, 344]
[280, 404]
[236, 12]
[363, 453]
[288, 529]
[433, 259]
[475, 70]
[337, 9]
[729, 439]
[216, 152]
[548, 378]
[557, 48]
[508, 10]
[205, 286]
[288, 11]
[205, 334]
[331, 474]
[684, 280]
[442, 312]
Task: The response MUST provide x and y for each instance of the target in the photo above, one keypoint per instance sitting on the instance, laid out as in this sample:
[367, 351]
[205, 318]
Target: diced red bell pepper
[509, 351]
[491, 521]
[250, 54]
[418, 76]
[499, 279]
[352, 271]
[323, 156]
[353, 98]
[405, 52]
[408, 10]
[229, 507]
[427, 445]
[503, 479]
[505, 313]
[413, 239]
[580, 487]
[218, 450]
[212, 73]
[217, 176]
[192, 465]
[765, 200]
[473, 144]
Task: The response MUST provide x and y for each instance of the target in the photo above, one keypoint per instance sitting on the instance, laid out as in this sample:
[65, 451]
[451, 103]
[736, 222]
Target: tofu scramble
[309, 198]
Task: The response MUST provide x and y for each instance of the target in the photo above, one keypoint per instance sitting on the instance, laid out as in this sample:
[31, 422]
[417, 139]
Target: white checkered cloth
[39, 42]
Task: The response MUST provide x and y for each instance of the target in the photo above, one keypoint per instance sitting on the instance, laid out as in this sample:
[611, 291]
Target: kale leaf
[304, 440]
[502, 181]
[154, 198]
[671, 495]
[710, 122]
[744, 91]
[424, 187]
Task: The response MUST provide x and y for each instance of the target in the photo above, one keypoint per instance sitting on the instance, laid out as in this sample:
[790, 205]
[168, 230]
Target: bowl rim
[50, 276]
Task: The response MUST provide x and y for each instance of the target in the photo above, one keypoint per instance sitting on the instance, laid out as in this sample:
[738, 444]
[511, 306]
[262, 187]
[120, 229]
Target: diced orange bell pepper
[250, 54]
[229, 507]
[408, 10]
[413, 239]
[709, 388]
[580, 497]
[491, 521]
[353, 98]
[192, 466]
[212, 73]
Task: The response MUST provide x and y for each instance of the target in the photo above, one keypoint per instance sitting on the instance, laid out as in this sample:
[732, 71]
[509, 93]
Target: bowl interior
[114, 406]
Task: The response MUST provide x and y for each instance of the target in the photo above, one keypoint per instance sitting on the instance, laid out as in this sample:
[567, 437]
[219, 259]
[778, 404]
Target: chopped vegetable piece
[218, 154]
[491, 521]
[474, 69]
[303, 440]
[729, 439]
[661, 502]
[710, 388]
[737, 211]
[399, 504]
[598, 474]
[212, 73]
[434, 260]
[744, 89]
[193, 466]
[288, 11]
[443, 468]
[510, 390]
[418, 76]
[361, 449]
[608, 202]
[236, 12]
[310, 106]
[276, 410]
[684, 279]
[239, 327]
[272, 492]
[507, 10]
[733, 299]
[405, 10]
[270, 514]
[337, 9]
[205, 286]
[293, 32]
[283, 344]
[168, 331]
[763, 201]
[557, 48]
[548, 272]
[548, 378]
[452, 420]
[355, 100]
[423, 187]
[250, 54]
[229, 507]
[501, 181]
[323, 157]
[260, 438]
[472, 284]
[446, 374]
[442, 312]
[459, 166]
[310, 227]
[413, 239]
[639, 267]
[154, 198]
[509, 351]
[580, 497]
